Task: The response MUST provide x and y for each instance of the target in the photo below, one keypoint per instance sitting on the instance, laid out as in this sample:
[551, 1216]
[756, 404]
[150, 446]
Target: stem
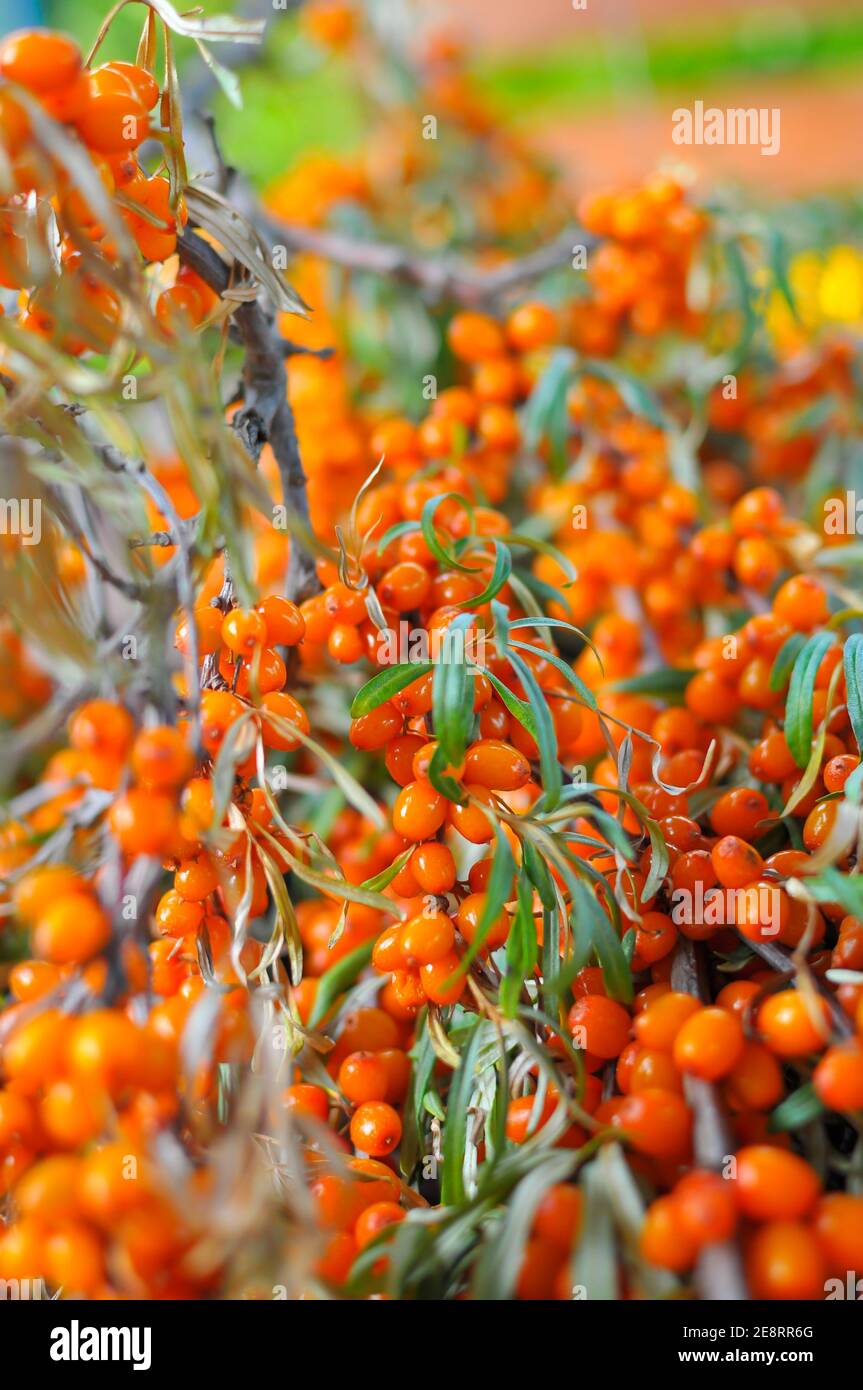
[266, 416]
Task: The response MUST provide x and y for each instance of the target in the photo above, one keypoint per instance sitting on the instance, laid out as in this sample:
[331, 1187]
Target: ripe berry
[709, 1044]
[375, 1129]
[773, 1184]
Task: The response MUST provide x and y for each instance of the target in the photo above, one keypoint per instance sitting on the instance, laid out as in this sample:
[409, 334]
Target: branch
[447, 277]
[719, 1270]
[266, 416]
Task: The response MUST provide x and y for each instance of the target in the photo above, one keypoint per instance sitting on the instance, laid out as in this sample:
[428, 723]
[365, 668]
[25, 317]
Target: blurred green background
[593, 88]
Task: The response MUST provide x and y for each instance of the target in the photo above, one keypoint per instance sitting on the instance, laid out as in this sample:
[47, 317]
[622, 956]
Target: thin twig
[440, 278]
[266, 416]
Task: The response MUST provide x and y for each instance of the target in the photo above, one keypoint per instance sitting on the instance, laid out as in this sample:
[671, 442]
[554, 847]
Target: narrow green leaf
[796, 1110]
[385, 684]
[785, 659]
[854, 684]
[798, 705]
[337, 979]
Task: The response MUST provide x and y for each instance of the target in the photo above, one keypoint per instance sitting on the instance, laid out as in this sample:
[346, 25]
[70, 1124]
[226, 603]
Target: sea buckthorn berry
[469, 919]
[599, 1025]
[73, 1112]
[773, 1184]
[278, 710]
[375, 1219]
[363, 1077]
[442, 981]
[473, 337]
[709, 1044]
[35, 1052]
[662, 1242]
[793, 1024]
[838, 1224]
[525, 1116]
[398, 1069]
[657, 1122]
[114, 120]
[243, 629]
[739, 812]
[144, 822]
[838, 770]
[419, 811]
[470, 820]
[838, 1077]
[387, 954]
[208, 628]
[433, 867]
[375, 1129]
[100, 726]
[531, 326]
[755, 1081]
[492, 763]
[802, 603]
[71, 930]
[706, 1207]
[37, 890]
[161, 757]
[427, 938]
[658, 1025]
[784, 1262]
[39, 59]
[405, 586]
[283, 620]
[736, 862]
[377, 728]
[558, 1217]
[142, 82]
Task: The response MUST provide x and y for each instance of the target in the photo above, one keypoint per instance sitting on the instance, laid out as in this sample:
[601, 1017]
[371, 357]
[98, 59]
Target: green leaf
[431, 537]
[635, 395]
[583, 691]
[517, 707]
[546, 736]
[537, 871]
[452, 711]
[454, 1138]
[785, 659]
[497, 893]
[497, 1268]
[337, 979]
[522, 950]
[798, 706]
[667, 683]
[605, 942]
[385, 684]
[500, 574]
[546, 414]
[854, 684]
[796, 1110]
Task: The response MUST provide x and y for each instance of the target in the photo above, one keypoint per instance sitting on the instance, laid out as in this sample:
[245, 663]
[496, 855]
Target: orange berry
[784, 1261]
[662, 1242]
[375, 1128]
[793, 1024]
[773, 1184]
[39, 59]
[161, 757]
[709, 1044]
[72, 930]
[599, 1025]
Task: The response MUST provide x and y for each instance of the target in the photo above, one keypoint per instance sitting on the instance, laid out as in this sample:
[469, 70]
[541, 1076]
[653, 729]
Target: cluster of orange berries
[638, 274]
[108, 109]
